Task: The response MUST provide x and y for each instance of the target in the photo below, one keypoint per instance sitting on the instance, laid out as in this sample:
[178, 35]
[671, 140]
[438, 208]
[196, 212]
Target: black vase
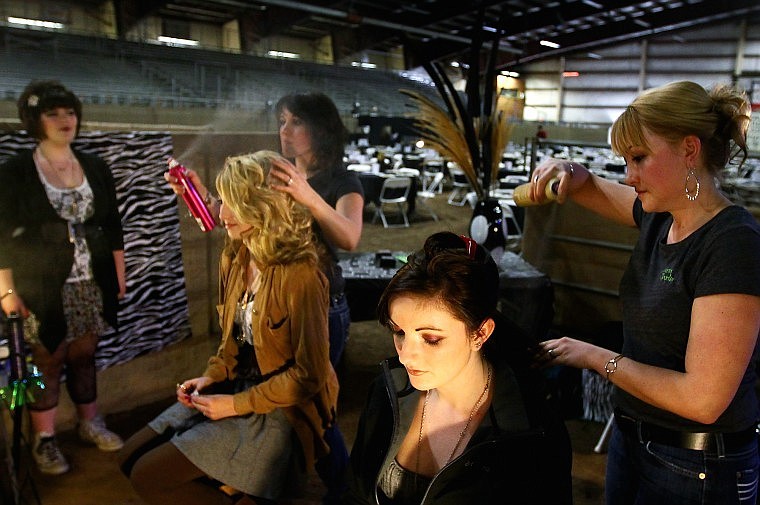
[488, 226]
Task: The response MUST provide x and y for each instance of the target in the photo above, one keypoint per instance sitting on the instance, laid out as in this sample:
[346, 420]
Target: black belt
[80, 230]
[698, 441]
[60, 231]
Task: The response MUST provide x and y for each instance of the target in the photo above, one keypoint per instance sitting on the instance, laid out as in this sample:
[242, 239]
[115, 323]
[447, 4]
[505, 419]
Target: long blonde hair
[281, 228]
[719, 117]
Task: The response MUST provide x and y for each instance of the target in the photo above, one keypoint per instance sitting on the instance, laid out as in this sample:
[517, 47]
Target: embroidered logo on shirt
[667, 275]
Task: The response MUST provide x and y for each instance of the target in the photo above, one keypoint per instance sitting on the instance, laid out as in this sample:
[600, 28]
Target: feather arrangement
[473, 134]
[445, 133]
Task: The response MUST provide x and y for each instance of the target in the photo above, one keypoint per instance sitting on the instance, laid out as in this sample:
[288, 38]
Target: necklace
[466, 426]
[67, 165]
[64, 174]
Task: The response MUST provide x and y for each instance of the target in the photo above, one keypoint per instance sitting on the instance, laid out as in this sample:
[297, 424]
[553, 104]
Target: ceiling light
[363, 64]
[594, 56]
[35, 22]
[282, 54]
[510, 73]
[455, 64]
[595, 5]
[571, 74]
[549, 43]
[174, 41]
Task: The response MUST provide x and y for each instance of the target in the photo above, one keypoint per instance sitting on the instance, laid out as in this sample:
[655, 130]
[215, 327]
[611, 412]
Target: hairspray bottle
[521, 196]
[193, 200]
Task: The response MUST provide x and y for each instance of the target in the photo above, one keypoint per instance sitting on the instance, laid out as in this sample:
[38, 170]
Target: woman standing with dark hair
[685, 405]
[459, 416]
[61, 262]
[313, 136]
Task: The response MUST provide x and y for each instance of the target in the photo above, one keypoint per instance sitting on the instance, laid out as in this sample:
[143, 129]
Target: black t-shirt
[331, 185]
[658, 290]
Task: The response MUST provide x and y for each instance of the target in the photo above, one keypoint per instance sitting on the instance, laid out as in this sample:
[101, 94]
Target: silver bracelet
[7, 293]
[611, 366]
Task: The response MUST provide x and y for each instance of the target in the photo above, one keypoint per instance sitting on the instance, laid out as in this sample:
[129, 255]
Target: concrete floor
[95, 478]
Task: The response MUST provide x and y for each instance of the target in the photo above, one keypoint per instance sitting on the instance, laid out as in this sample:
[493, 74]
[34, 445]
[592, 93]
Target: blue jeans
[338, 320]
[332, 467]
[641, 472]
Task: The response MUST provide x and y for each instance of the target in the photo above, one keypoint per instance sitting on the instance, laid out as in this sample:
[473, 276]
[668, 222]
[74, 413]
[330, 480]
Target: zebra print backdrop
[154, 312]
[597, 397]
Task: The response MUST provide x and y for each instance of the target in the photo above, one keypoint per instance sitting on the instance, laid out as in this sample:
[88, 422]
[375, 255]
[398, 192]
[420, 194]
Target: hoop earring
[689, 194]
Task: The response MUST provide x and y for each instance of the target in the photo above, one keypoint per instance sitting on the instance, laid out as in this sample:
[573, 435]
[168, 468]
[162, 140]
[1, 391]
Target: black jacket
[34, 241]
[520, 453]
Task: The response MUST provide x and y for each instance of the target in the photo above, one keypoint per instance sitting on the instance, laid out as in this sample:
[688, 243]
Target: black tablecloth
[526, 296]
[366, 277]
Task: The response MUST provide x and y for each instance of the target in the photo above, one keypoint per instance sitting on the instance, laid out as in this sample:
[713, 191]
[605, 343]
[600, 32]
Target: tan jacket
[290, 338]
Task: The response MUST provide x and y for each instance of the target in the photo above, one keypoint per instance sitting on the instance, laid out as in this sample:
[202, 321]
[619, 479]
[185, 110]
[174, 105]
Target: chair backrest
[457, 175]
[433, 186]
[407, 172]
[395, 189]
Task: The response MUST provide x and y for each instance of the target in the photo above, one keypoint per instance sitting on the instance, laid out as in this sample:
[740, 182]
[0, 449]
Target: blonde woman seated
[255, 419]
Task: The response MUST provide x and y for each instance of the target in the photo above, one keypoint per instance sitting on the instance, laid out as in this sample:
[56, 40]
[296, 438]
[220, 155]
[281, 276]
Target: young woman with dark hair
[61, 263]
[459, 416]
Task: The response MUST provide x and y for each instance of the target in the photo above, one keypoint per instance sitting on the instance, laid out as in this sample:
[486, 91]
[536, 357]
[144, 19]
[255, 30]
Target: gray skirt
[258, 454]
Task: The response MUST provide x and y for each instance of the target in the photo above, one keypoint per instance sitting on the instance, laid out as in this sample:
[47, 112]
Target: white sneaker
[48, 455]
[95, 432]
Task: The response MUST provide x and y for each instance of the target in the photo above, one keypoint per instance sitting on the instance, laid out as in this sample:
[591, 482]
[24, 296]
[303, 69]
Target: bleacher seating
[110, 71]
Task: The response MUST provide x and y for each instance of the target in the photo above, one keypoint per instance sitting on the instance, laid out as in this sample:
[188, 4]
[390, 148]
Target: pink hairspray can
[195, 203]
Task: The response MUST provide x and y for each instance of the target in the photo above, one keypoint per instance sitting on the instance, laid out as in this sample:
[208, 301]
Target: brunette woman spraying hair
[61, 263]
[255, 419]
[684, 394]
[459, 416]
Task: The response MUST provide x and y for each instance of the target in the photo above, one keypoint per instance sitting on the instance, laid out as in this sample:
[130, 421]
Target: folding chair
[429, 192]
[395, 191]
[461, 185]
[429, 170]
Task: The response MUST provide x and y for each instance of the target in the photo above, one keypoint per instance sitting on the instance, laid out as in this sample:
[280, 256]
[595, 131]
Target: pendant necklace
[466, 426]
[58, 171]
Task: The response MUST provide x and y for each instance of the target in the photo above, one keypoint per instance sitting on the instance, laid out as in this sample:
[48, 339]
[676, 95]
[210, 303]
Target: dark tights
[161, 474]
[78, 356]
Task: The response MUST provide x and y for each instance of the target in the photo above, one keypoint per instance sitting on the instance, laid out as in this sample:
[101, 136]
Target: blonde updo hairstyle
[719, 117]
[281, 228]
